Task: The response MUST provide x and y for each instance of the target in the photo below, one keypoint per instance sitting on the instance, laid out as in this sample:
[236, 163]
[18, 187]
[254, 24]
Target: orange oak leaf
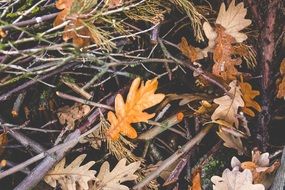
[65, 6]
[76, 29]
[189, 51]
[224, 66]
[281, 87]
[248, 95]
[140, 97]
[196, 180]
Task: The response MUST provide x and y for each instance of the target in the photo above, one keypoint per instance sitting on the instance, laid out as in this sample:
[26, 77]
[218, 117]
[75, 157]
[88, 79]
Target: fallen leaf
[233, 20]
[189, 51]
[68, 177]
[248, 95]
[108, 180]
[281, 86]
[113, 3]
[225, 63]
[77, 29]
[68, 115]
[235, 180]
[65, 6]
[3, 34]
[140, 97]
[196, 180]
[231, 141]
[261, 169]
[3, 142]
[226, 32]
[228, 107]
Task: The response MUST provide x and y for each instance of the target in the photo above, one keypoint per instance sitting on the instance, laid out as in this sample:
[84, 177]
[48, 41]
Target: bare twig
[178, 154]
[80, 100]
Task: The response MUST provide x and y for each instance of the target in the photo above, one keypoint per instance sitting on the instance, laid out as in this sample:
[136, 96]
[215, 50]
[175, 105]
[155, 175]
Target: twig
[30, 83]
[166, 124]
[80, 100]
[199, 71]
[77, 89]
[178, 154]
[30, 21]
[18, 104]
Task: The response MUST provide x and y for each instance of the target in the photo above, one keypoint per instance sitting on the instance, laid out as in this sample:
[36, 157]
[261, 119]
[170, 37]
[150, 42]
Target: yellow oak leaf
[248, 95]
[228, 106]
[140, 97]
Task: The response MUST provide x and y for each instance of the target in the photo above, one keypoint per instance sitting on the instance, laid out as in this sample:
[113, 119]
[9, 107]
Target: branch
[178, 154]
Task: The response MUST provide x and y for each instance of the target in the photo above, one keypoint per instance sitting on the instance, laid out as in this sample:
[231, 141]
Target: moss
[215, 166]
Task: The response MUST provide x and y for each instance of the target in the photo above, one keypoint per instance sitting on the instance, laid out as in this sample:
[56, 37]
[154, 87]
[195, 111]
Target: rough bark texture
[266, 61]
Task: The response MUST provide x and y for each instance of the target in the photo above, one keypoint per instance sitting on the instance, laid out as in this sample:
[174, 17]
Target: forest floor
[142, 94]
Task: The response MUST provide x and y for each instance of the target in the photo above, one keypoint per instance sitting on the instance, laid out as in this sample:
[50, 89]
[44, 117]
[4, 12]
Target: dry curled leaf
[248, 95]
[109, 180]
[189, 51]
[281, 86]
[225, 63]
[231, 141]
[229, 23]
[228, 106]
[80, 31]
[68, 177]
[233, 20]
[68, 115]
[140, 97]
[260, 168]
[235, 180]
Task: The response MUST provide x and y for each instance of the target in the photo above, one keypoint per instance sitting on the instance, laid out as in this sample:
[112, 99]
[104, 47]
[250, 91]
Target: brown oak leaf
[225, 63]
[189, 51]
[248, 95]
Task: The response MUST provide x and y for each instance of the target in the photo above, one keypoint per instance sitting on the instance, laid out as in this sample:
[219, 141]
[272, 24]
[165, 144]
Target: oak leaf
[225, 63]
[140, 97]
[233, 20]
[226, 32]
[260, 168]
[68, 177]
[231, 141]
[80, 31]
[281, 86]
[228, 106]
[109, 180]
[189, 51]
[248, 95]
[70, 114]
[235, 180]
[196, 180]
